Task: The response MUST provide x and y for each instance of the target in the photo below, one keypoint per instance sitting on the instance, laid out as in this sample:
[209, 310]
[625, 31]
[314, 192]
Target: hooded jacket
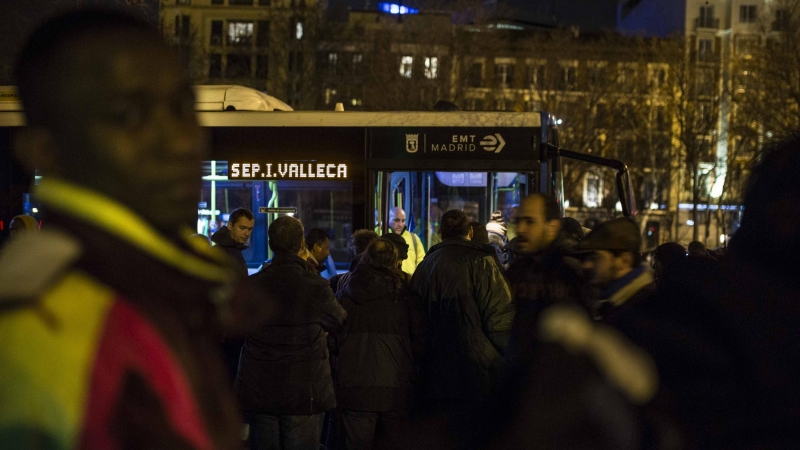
[378, 344]
[284, 367]
[223, 239]
[468, 319]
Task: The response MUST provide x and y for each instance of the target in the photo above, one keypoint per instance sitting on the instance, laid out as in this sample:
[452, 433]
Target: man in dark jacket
[108, 315]
[469, 315]
[376, 350]
[233, 238]
[614, 264]
[284, 383]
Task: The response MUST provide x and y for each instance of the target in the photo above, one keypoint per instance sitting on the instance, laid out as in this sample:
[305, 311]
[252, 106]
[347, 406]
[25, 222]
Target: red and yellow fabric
[64, 356]
[85, 340]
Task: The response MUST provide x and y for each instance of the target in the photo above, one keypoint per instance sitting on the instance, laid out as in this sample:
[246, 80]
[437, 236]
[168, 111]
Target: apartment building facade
[265, 44]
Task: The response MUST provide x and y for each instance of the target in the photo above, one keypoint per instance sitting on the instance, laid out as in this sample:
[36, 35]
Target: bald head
[397, 220]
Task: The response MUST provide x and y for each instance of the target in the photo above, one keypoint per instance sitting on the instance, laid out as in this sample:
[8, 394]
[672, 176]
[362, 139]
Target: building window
[504, 75]
[215, 65]
[262, 66]
[431, 67]
[264, 2]
[183, 25]
[406, 65]
[298, 30]
[241, 2]
[566, 82]
[295, 61]
[747, 13]
[705, 48]
[333, 63]
[781, 20]
[262, 34]
[597, 74]
[536, 75]
[358, 63]
[706, 19]
[216, 32]
[475, 75]
[240, 33]
[592, 191]
[627, 78]
[658, 76]
[238, 66]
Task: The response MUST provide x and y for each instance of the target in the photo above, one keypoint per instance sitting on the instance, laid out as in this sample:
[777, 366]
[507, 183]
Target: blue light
[394, 8]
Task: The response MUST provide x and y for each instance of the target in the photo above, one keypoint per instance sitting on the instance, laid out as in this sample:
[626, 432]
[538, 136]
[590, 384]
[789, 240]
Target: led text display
[287, 171]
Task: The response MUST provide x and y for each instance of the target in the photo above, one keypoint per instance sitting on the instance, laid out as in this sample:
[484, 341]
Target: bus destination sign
[238, 170]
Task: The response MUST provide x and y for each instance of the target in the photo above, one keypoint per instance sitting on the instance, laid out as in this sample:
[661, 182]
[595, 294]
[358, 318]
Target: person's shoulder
[34, 262]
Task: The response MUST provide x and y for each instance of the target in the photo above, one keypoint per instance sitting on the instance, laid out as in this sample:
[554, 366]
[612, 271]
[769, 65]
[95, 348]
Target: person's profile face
[533, 231]
[137, 131]
[322, 250]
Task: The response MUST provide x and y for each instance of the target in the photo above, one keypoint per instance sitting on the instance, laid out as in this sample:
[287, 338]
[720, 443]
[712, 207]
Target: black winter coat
[378, 343]
[468, 319]
[223, 239]
[284, 368]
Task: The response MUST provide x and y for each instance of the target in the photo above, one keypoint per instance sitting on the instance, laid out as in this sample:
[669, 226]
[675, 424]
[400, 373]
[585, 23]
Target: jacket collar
[223, 237]
[119, 221]
[626, 287]
[284, 259]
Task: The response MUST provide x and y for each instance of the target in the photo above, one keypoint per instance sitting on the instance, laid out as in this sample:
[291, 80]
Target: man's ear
[625, 260]
[470, 234]
[35, 148]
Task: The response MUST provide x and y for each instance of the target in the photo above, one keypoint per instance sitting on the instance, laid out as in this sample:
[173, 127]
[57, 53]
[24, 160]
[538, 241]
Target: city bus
[344, 171]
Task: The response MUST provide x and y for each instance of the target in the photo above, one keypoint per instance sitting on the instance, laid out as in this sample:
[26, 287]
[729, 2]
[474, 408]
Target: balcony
[711, 23]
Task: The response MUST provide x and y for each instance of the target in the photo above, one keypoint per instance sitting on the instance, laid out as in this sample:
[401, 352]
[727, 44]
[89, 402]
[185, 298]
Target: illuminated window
[536, 75]
[333, 63]
[406, 64]
[504, 75]
[566, 81]
[330, 95]
[298, 30]
[240, 33]
[358, 63]
[431, 67]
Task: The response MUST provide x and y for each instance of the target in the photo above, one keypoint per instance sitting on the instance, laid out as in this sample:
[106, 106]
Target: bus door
[426, 195]
[429, 170]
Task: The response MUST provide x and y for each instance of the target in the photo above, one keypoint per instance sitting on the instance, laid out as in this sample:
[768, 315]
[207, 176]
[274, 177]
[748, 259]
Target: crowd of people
[114, 318]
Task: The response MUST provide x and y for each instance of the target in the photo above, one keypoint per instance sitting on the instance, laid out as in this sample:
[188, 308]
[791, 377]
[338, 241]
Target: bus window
[327, 205]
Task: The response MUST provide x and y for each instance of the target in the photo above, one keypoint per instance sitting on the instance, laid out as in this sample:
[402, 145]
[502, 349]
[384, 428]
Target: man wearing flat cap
[613, 262]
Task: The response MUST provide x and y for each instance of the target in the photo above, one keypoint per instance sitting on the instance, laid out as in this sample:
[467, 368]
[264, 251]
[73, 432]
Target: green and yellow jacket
[109, 333]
